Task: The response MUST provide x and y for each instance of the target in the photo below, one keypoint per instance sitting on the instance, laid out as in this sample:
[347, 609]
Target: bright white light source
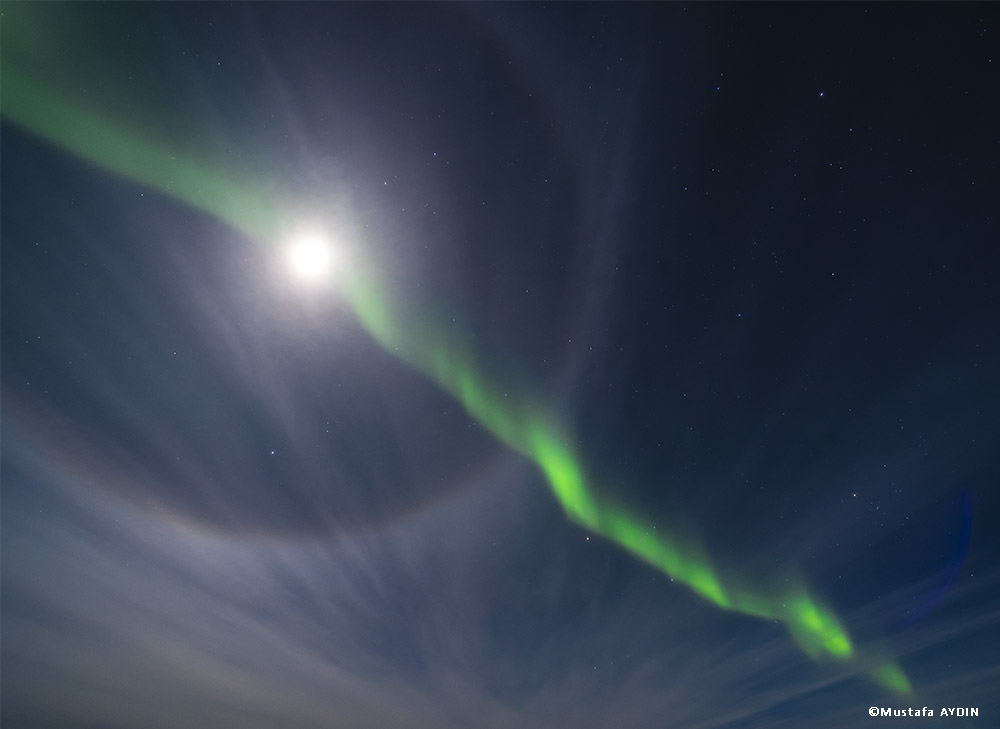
[310, 257]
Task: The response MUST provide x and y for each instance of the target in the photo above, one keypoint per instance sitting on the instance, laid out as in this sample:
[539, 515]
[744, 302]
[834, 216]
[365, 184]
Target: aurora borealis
[357, 474]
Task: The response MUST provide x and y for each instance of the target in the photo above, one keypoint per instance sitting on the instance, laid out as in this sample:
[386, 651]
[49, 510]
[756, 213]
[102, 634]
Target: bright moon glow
[310, 257]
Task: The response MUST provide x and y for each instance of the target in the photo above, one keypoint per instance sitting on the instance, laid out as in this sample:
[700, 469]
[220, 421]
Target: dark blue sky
[744, 254]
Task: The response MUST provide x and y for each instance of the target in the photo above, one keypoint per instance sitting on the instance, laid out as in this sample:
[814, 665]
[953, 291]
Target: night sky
[654, 344]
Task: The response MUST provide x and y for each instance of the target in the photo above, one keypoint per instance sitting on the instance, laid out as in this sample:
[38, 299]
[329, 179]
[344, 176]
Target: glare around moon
[310, 258]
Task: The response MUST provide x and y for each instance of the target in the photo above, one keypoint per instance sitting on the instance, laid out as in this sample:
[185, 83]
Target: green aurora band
[91, 134]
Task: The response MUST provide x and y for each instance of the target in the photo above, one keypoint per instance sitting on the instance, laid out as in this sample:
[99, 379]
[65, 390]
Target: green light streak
[105, 143]
[54, 84]
[813, 626]
[92, 135]
[891, 676]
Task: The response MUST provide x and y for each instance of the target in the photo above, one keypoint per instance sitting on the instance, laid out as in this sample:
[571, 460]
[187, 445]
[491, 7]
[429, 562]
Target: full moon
[310, 257]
